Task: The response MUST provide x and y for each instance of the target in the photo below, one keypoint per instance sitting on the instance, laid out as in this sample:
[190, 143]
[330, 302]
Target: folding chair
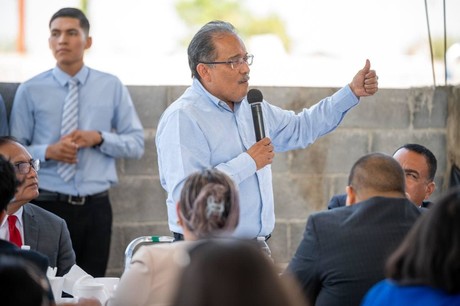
[137, 242]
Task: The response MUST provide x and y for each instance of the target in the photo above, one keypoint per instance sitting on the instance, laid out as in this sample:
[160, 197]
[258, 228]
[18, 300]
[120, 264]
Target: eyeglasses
[235, 63]
[24, 167]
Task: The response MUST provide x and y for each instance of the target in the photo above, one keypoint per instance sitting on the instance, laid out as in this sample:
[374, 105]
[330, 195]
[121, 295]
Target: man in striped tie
[77, 120]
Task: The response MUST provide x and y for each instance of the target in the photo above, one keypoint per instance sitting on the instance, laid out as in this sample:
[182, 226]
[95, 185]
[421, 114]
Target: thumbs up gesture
[365, 83]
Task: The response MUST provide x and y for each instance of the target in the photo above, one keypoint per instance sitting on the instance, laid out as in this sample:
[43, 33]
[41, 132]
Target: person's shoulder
[163, 252]
[338, 200]
[331, 217]
[37, 80]
[95, 74]
[35, 210]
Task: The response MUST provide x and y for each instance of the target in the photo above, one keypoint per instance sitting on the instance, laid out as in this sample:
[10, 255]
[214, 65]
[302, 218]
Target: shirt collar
[18, 214]
[199, 87]
[62, 78]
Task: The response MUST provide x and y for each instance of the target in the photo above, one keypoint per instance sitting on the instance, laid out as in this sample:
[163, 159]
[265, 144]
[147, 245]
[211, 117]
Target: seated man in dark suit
[41, 230]
[343, 250]
[8, 186]
[419, 165]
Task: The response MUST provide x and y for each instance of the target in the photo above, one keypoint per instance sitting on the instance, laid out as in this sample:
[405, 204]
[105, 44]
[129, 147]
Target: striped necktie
[15, 235]
[69, 124]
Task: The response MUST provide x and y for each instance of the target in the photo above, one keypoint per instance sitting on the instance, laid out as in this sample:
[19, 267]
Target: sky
[138, 41]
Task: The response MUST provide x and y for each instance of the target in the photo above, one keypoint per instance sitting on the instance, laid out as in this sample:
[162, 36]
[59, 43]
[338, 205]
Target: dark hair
[202, 48]
[429, 254]
[72, 13]
[22, 283]
[8, 182]
[230, 272]
[209, 203]
[429, 156]
[378, 172]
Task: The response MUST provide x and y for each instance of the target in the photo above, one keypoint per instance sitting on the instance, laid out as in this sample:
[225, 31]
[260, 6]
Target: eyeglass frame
[31, 164]
[248, 59]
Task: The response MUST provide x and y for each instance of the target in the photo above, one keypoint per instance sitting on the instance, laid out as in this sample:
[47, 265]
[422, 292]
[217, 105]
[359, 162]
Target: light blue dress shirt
[199, 131]
[104, 105]
[3, 119]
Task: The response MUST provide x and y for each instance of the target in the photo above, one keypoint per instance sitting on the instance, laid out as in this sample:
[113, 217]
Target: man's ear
[351, 196]
[89, 42]
[203, 71]
[430, 188]
[179, 218]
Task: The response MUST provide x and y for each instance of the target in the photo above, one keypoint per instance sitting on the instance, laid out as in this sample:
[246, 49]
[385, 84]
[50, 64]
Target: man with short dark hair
[77, 121]
[343, 250]
[419, 165]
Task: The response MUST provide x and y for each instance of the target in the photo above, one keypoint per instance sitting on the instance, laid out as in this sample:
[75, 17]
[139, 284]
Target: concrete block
[298, 196]
[297, 229]
[117, 248]
[333, 153]
[429, 107]
[278, 243]
[138, 199]
[295, 98]
[281, 162]
[378, 111]
[148, 164]
[150, 102]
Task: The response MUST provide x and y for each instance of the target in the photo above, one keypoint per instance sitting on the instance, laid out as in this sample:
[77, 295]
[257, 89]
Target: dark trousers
[90, 227]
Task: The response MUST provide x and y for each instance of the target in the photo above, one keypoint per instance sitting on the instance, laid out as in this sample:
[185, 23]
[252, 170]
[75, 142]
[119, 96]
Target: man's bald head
[376, 174]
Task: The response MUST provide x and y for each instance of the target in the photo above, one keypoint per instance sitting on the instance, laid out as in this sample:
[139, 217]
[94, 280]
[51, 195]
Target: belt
[47, 196]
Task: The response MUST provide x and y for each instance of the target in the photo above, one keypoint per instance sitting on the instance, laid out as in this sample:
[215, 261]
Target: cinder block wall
[304, 180]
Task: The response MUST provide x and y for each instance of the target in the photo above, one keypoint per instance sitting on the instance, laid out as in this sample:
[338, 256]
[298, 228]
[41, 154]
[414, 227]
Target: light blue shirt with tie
[199, 131]
[104, 105]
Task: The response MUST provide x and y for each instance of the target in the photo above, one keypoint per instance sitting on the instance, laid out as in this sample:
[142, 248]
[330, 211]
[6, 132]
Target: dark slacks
[90, 227]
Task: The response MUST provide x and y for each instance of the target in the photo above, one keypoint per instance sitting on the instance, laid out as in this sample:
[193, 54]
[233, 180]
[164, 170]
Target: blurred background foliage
[195, 13]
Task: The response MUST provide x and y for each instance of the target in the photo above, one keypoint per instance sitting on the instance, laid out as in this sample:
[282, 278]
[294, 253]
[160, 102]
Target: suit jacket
[343, 250]
[39, 260]
[7, 248]
[47, 233]
[339, 200]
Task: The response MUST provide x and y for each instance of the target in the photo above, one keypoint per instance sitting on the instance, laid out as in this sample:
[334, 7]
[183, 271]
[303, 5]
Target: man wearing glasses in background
[211, 126]
[28, 224]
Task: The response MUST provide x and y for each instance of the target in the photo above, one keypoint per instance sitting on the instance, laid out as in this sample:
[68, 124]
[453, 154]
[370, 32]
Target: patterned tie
[69, 124]
[15, 235]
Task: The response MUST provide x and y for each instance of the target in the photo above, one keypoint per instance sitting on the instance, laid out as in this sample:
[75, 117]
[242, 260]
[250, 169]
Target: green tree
[195, 13]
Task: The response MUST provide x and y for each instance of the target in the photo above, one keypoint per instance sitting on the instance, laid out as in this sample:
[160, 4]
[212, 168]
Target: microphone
[255, 99]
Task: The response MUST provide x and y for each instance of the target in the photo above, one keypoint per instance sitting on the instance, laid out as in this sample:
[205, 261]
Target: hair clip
[214, 207]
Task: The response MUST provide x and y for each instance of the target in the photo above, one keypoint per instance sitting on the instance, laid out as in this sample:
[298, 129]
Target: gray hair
[202, 48]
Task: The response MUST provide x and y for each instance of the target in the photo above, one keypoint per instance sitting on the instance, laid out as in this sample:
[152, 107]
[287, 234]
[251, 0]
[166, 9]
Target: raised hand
[365, 83]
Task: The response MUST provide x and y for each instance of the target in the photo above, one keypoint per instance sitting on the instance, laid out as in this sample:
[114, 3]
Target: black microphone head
[254, 95]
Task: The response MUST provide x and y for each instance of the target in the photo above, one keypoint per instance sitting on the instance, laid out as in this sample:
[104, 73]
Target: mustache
[245, 78]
